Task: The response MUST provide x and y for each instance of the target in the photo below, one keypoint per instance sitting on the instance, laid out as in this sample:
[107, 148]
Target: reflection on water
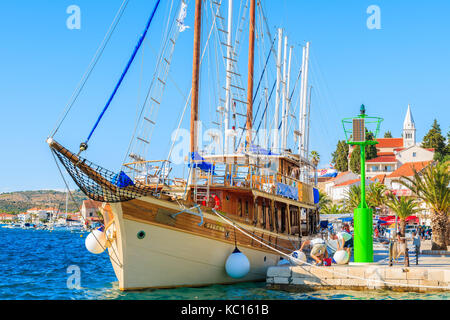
[34, 267]
[258, 291]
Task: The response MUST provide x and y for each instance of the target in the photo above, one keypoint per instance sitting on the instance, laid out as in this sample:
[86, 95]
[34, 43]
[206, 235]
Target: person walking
[416, 243]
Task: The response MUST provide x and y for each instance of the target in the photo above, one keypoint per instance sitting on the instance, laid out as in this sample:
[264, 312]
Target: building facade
[392, 153]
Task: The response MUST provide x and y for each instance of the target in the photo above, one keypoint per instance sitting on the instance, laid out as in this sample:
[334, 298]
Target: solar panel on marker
[358, 130]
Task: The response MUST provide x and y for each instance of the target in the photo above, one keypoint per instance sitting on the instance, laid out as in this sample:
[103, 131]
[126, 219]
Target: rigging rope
[257, 89]
[91, 66]
[139, 125]
[175, 138]
[265, 109]
[84, 145]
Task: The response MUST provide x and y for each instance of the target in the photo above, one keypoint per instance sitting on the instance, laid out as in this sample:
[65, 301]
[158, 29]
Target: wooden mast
[251, 58]
[195, 75]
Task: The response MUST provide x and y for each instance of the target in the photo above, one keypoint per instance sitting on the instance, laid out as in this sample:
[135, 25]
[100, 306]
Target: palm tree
[332, 209]
[403, 207]
[376, 195]
[431, 186]
[324, 200]
[315, 158]
[352, 198]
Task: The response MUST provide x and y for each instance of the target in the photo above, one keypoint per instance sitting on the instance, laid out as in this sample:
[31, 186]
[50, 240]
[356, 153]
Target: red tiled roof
[390, 143]
[340, 174]
[6, 215]
[383, 159]
[379, 177]
[346, 183]
[385, 154]
[92, 204]
[407, 169]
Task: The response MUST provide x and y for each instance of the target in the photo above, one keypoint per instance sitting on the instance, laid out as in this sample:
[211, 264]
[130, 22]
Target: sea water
[39, 265]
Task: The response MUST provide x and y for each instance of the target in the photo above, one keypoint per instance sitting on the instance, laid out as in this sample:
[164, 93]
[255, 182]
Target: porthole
[141, 235]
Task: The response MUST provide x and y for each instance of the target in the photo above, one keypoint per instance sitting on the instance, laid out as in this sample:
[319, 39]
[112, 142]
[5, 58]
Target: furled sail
[183, 13]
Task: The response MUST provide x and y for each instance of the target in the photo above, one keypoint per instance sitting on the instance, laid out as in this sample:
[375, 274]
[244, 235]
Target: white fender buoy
[298, 255]
[341, 257]
[237, 265]
[95, 242]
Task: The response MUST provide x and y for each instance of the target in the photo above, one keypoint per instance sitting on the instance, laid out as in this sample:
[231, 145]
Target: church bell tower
[409, 130]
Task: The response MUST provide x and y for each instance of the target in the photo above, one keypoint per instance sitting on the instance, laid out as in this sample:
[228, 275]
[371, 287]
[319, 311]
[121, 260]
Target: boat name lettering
[214, 227]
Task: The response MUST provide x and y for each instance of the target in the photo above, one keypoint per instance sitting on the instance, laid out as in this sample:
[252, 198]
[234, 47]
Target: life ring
[216, 201]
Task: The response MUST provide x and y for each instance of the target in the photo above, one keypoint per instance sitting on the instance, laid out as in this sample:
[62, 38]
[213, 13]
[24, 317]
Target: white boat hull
[167, 257]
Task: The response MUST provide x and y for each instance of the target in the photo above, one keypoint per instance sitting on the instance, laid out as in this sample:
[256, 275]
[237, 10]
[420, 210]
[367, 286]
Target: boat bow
[97, 182]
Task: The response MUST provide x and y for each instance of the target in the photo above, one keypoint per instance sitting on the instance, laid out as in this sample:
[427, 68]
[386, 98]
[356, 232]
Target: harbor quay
[431, 274]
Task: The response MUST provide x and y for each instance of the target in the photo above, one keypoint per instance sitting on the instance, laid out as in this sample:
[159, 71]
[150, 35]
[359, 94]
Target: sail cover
[201, 163]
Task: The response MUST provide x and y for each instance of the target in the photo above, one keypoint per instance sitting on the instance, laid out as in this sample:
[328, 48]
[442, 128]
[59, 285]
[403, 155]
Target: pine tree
[435, 139]
[447, 148]
[388, 134]
[371, 150]
[340, 156]
[355, 158]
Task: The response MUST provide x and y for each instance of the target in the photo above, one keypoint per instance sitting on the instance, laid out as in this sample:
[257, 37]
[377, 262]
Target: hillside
[16, 202]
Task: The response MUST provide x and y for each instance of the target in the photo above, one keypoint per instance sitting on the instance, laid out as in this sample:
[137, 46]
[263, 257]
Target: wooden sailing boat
[167, 232]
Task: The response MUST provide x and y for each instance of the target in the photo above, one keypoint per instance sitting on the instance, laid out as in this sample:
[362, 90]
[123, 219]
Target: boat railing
[252, 176]
[151, 172]
[155, 173]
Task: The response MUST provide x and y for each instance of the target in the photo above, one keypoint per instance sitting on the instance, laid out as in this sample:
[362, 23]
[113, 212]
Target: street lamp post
[363, 215]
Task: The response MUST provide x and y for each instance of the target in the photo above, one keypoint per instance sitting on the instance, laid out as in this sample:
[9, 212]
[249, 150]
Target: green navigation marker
[356, 130]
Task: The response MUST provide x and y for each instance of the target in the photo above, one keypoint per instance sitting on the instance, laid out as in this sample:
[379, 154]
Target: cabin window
[277, 222]
[269, 210]
[263, 215]
[240, 207]
[283, 220]
[246, 208]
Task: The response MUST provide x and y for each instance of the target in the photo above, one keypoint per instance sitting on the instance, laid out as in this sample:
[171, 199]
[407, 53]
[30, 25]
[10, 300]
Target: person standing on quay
[416, 243]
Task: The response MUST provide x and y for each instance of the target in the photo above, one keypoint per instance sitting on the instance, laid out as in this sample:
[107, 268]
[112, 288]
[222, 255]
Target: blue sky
[42, 61]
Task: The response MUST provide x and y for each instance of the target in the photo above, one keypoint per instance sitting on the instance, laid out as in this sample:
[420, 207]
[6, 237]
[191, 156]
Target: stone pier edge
[307, 278]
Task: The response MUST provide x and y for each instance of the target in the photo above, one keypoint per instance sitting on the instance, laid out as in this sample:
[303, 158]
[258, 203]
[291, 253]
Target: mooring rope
[330, 271]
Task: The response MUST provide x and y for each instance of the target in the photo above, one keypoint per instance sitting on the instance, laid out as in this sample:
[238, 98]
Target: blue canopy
[287, 191]
[201, 163]
[324, 224]
[316, 196]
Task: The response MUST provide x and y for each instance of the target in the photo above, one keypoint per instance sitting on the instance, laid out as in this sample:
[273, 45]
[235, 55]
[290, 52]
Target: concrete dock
[432, 274]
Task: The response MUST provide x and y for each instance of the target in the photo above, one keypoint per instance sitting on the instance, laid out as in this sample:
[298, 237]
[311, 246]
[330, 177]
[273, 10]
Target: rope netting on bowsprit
[99, 183]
